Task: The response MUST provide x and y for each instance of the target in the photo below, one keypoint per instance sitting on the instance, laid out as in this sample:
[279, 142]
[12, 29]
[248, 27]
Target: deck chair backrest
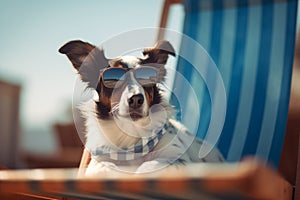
[252, 44]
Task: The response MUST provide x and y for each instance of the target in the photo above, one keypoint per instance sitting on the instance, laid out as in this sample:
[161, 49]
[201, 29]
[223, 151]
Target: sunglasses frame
[127, 70]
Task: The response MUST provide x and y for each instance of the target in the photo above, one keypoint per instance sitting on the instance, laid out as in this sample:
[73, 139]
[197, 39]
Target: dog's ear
[159, 53]
[86, 59]
[158, 57]
[76, 51]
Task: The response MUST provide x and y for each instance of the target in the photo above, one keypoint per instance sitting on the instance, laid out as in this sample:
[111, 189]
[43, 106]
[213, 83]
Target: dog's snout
[136, 101]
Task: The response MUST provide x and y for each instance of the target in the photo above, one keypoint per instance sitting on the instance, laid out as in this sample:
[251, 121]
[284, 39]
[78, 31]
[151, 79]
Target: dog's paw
[151, 166]
[96, 168]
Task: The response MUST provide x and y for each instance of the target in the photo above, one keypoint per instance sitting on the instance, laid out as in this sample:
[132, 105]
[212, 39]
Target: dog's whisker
[113, 104]
[115, 108]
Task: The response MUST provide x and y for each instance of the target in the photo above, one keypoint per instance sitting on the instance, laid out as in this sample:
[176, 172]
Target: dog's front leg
[153, 165]
[96, 167]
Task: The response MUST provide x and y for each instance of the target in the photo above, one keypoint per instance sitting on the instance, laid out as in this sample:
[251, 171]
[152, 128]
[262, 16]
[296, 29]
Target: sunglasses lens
[146, 75]
[112, 76]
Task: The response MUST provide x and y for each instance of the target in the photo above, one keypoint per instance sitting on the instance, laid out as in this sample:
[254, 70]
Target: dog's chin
[133, 116]
[136, 116]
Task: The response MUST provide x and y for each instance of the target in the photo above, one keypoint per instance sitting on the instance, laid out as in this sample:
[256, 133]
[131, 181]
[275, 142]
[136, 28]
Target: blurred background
[36, 82]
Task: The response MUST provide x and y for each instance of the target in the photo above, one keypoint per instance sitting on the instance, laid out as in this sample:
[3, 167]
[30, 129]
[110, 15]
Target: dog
[131, 123]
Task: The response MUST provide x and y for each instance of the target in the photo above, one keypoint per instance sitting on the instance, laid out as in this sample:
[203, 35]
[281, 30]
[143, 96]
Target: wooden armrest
[253, 180]
[246, 180]
[85, 160]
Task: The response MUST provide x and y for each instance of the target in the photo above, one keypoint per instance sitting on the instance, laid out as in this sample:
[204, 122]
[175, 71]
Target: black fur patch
[102, 111]
[157, 97]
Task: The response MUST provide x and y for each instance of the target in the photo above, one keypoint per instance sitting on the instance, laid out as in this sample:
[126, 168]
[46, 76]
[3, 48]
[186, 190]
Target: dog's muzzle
[133, 102]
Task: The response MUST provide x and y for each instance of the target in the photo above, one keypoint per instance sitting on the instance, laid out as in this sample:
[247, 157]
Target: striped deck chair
[252, 44]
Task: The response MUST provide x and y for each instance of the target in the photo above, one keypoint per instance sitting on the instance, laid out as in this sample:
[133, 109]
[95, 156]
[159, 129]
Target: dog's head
[126, 86]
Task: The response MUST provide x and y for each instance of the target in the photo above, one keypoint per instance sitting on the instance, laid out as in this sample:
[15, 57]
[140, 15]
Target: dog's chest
[107, 133]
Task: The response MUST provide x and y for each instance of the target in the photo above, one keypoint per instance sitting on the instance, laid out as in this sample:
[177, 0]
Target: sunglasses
[145, 75]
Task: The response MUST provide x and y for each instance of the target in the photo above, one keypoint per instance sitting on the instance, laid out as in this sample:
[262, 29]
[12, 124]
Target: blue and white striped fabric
[140, 149]
[252, 44]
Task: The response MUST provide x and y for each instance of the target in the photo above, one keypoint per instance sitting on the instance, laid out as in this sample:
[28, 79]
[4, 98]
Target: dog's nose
[136, 101]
